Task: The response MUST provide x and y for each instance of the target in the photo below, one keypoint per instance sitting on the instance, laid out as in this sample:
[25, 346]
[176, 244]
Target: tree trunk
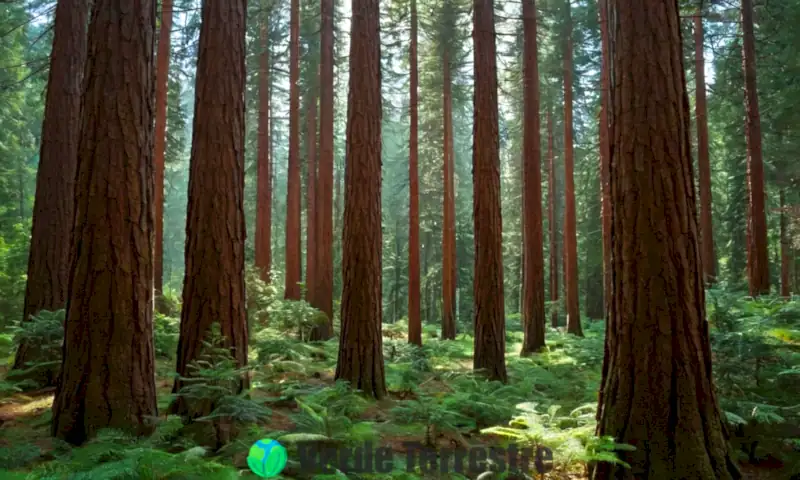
[263, 240]
[323, 278]
[657, 392]
[108, 376]
[703, 163]
[786, 249]
[360, 347]
[449, 226]
[551, 220]
[533, 318]
[490, 325]
[605, 153]
[213, 286]
[162, 72]
[570, 230]
[293, 194]
[757, 219]
[414, 319]
[50, 255]
[311, 181]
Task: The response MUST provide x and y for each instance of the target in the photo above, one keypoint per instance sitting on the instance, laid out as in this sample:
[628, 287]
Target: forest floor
[433, 399]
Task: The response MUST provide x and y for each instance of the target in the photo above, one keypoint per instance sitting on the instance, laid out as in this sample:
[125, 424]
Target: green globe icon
[267, 458]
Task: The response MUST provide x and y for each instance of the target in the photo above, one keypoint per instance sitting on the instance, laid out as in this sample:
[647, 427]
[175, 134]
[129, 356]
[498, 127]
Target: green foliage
[166, 331]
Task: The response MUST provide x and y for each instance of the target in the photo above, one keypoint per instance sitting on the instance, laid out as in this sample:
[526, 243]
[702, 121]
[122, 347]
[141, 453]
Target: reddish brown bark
[758, 257]
[605, 153]
[533, 319]
[449, 220]
[551, 219]
[360, 359]
[657, 392]
[162, 71]
[263, 240]
[570, 227]
[108, 374]
[213, 286]
[703, 163]
[414, 319]
[786, 248]
[49, 257]
[323, 278]
[490, 325]
[293, 265]
[311, 183]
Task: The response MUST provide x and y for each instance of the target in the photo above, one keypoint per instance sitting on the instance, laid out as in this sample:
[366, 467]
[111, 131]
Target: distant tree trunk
[657, 392]
[490, 325]
[551, 220]
[605, 153]
[323, 277]
[213, 286]
[570, 230]
[361, 345]
[414, 319]
[293, 194]
[757, 218]
[311, 216]
[49, 257]
[786, 249]
[449, 227]
[703, 163]
[533, 318]
[162, 72]
[108, 370]
[263, 241]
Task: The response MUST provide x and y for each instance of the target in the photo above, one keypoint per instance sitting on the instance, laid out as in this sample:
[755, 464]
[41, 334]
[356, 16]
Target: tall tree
[703, 163]
[490, 326]
[533, 260]
[311, 184]
[570, 226]
[293, 267]
[551, 219]
[107, 374]
[162, 72]
[605, 152]
[449, 210]
[263, 240]
[360, 359]
[213, 285]
[414, 319]
[757, 255]
[49, 256]
[786, 247]
[657, 390]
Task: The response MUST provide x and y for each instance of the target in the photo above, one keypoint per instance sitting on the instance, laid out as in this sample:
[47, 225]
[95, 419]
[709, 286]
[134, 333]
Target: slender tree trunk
[311, 216]
[263, 241]
[703, 163]
[605, 153]
[657, 392]
[360, 347]
[213, 286]
[757, 219]
[570, 227]
[323, 278]
[449, 227]
[49, 257]
[551, 220]
[293, 194]
[414, 319]
[490, 325]
[786, 249]
[533, 318]
[108, 369]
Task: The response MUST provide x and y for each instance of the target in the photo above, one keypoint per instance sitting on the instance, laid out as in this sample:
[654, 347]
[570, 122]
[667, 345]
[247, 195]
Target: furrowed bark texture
[108, 377]
[360, 359]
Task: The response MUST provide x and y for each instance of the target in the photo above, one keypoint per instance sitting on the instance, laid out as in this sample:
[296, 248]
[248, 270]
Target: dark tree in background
[263, 237]
[414, 318]
[293, 194]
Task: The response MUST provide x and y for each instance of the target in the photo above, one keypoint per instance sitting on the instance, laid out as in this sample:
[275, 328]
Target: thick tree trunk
[361, 345]
[293, 267]
[213, 286]
[311, 183]
[605, 153]
[414, 319]
[323, 278]
[551, 219]
[108, 376]
[786, 248]
[570, 227]
[703, 163]
[263, 240]
[50, 255]
[449, 227]
[162, 72]
[657, 392]
[757, 219]
[490, 325]
[533, 319]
